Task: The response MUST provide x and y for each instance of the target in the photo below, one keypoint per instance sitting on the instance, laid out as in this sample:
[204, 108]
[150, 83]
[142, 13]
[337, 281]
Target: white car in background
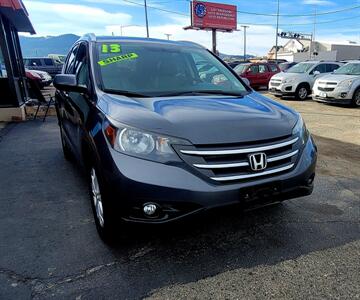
[342, 86]
[299, 79]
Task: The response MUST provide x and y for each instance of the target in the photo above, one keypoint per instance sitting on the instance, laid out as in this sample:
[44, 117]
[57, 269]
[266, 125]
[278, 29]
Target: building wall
[346, 52]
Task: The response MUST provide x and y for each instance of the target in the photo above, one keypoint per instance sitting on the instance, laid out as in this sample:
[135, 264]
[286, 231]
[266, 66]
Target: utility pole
[214, 43]
[168, 35]
[146, 19]
[313, 49]
[277, 28]
[245, 27]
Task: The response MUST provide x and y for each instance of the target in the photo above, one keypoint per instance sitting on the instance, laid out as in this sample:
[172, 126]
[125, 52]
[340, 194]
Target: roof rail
[89, 37]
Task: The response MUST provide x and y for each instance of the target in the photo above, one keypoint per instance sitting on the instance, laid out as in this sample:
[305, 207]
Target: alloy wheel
[97, 198]
[303, 93]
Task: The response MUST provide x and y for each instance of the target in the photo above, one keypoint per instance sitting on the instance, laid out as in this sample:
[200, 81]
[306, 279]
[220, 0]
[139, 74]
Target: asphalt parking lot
[305, 248]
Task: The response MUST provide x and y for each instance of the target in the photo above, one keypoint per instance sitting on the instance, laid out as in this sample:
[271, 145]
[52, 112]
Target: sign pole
[146, 19]
[214, 41]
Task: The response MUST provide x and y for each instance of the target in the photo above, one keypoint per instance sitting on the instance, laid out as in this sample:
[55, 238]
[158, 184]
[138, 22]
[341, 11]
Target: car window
[69, 66]
[273, 68]
[241, 68]
[254, 69]
[81, 66]
[320, 68]
[48, 62]
[154, 69]
[331, 67]
[33, 62]
[349, 69]
[262, 69]
[301, 68]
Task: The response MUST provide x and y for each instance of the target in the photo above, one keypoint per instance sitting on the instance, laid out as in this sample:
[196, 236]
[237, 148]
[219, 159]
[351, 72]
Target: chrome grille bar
[243, 164]
[239, 151]
[246, 176]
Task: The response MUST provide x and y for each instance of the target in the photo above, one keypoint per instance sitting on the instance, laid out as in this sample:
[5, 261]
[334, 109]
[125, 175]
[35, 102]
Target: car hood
[203, 119]
[338, 77]
[287, 76]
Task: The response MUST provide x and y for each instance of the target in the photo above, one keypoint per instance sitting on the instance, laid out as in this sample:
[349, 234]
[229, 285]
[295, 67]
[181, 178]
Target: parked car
[299, 79]
[277, 61]
[258, 74]
[42, 78]
[166, 142]
[342, 86]
[45, 64]
[59, 58]
[286, 65]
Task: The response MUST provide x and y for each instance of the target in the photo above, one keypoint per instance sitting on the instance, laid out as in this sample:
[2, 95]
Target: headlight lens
[346, 83]
[301, 130]
[146, 145]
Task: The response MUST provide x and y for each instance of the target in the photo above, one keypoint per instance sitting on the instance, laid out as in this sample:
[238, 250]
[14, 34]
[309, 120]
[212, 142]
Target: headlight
[301, 130]
[146, 145]
[346, 83]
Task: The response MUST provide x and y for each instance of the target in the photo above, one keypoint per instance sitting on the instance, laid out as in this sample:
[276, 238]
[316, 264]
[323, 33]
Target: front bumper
[337, 96]
[282, 89]
[179, 192]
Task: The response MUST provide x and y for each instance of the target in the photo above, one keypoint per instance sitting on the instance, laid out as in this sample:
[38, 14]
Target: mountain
[42, 46]
[235, 57]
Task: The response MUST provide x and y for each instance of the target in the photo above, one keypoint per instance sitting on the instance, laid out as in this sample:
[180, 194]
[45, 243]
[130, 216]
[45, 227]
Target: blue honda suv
[166, 129]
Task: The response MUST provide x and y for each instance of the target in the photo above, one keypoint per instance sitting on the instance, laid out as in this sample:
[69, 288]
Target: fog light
[311, 179]
[150, 209]
[343, 95]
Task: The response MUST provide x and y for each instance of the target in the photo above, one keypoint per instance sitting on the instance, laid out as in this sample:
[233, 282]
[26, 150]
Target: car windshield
[156, 69]
[241, 68]
[349, 69]
[300, 68]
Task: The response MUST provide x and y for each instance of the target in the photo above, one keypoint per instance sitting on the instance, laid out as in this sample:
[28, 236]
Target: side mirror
[316, 73]
[68, 83]
[246, 81]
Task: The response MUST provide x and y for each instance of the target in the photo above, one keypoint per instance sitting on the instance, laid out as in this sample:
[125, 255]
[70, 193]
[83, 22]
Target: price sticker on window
[110, 48]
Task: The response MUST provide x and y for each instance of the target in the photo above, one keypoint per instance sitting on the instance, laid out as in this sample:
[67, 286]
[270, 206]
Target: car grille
[230, 162]
[325, 89]
[327, 83]
[275, 82]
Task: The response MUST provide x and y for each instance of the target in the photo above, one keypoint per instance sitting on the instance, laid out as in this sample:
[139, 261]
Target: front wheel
[104, 217]
[356, 99]
[302, 92]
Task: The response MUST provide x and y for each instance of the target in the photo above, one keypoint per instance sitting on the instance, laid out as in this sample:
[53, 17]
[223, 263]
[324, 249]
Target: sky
[106, 17]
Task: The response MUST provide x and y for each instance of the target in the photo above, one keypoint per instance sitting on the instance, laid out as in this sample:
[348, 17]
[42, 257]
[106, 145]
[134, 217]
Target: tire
[104, 216]
[302, 92]
[65, 147]
[356, 98]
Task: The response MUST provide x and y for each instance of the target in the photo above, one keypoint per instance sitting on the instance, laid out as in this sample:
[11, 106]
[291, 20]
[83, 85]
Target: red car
[258, 74]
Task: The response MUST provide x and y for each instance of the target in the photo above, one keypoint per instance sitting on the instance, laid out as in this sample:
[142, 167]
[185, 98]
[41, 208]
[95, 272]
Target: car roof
[92, 38]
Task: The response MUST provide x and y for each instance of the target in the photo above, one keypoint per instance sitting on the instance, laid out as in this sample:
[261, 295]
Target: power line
[252, 24]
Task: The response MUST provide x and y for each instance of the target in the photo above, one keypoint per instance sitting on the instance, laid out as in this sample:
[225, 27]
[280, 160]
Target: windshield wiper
[207, 92]
[125, 93]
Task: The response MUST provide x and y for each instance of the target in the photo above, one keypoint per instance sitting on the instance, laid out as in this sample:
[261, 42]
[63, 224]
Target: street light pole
[146, 19]
[245, 27]
[168, 35]
[277, 29]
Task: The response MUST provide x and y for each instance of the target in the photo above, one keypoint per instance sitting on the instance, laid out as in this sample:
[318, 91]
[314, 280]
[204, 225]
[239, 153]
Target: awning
[16, 13]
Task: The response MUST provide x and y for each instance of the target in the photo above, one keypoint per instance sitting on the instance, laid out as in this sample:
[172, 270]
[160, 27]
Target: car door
[252, 75]
[65, 110]
[80, 103]
[321, 68]
[49, 66]
[264, 73]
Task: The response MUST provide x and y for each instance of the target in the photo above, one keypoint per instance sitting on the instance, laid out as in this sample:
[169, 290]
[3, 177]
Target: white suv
[342, 86]
[299, 79]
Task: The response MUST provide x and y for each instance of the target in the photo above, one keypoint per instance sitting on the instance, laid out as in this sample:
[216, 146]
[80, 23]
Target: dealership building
[13, 89]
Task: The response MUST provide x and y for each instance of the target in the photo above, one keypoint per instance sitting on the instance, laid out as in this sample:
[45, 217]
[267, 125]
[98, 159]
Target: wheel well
[356, 90]
[306, 84]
